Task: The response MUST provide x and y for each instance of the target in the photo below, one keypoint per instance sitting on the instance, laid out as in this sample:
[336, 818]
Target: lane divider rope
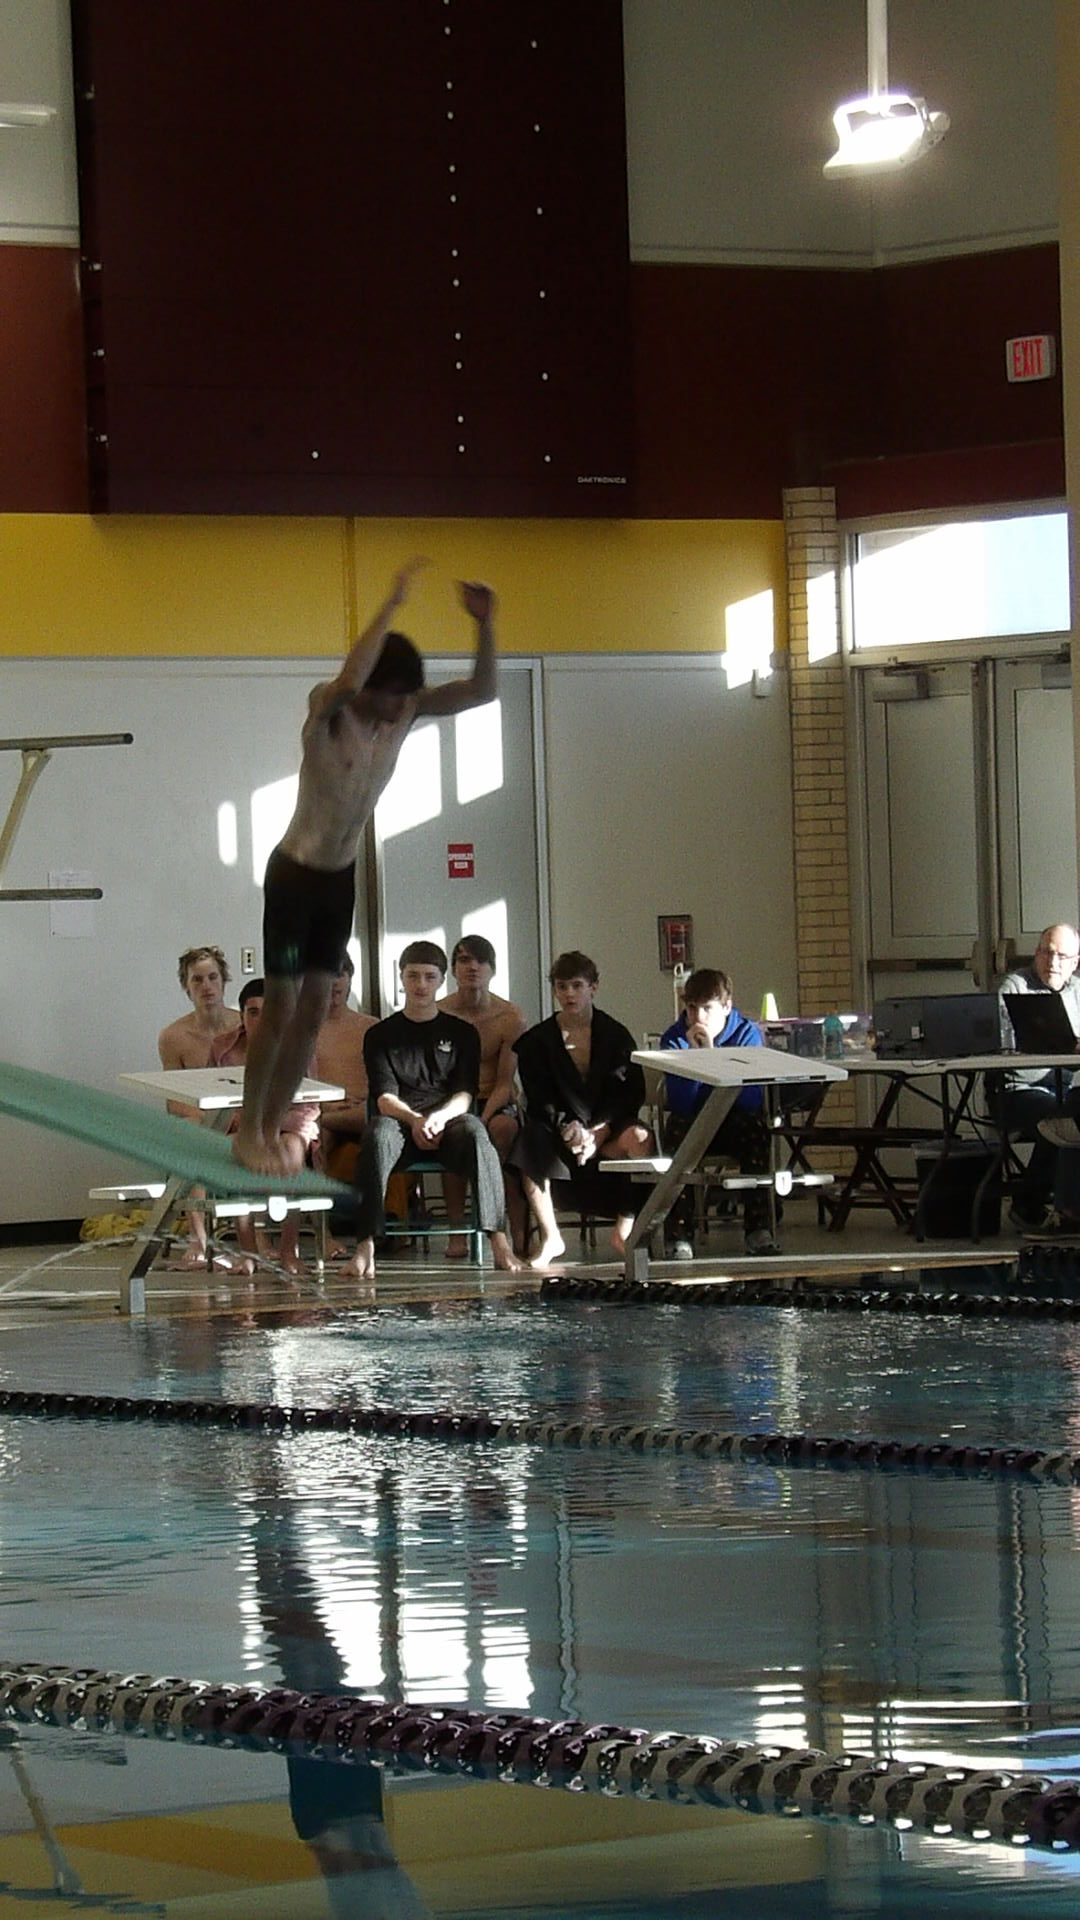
[1019, 1808]
[810, 1295]
[839, 1452]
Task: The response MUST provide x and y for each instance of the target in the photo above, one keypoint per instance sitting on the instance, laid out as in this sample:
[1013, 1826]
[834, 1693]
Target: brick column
[819, 762]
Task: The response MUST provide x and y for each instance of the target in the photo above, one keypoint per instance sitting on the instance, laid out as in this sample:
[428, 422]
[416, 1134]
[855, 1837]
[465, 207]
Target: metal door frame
[984, 658]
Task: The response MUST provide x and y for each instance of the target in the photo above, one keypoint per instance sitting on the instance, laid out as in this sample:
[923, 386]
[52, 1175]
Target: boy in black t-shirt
[423, 1070]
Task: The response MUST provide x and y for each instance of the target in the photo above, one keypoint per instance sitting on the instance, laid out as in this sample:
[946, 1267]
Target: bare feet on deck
[503, 1254]
[620, 1231]
[195, 1260]
[548, 1252]
[457, 1247]
[362, 1264]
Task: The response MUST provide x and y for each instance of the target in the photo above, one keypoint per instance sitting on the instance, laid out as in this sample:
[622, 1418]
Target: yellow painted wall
[214, 588]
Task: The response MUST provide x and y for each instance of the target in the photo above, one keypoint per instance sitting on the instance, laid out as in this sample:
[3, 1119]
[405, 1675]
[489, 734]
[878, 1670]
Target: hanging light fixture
[25, 116]
[882, 131]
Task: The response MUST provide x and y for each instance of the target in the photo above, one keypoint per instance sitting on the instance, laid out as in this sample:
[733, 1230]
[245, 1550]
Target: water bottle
[834, 1037]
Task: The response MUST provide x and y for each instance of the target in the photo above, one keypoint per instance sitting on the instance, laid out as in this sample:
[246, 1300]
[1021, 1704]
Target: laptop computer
[1040, 1022]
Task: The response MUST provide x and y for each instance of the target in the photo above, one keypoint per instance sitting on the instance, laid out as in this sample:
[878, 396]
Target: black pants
[463, 1147]
[1024, 1108]
[743, 1137]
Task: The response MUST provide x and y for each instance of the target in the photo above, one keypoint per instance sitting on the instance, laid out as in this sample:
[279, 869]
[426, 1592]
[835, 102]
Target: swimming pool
[934, 1618]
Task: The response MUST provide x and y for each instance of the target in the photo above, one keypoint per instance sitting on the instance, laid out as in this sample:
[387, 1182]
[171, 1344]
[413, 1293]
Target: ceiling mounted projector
[882, 131]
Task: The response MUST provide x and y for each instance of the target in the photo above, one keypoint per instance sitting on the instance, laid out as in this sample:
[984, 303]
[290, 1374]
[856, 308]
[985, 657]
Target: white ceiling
[729, 106]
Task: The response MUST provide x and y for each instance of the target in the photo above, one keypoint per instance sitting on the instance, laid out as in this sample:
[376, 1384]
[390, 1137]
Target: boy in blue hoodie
[710, 1019]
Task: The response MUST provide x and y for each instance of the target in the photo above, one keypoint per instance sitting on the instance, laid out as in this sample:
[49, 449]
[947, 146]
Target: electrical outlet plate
[247, 959]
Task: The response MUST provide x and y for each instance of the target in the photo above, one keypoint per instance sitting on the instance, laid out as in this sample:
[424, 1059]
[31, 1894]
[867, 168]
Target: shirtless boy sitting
[350, 742]
[203, 972]
[339, 1059]
[499, 1023]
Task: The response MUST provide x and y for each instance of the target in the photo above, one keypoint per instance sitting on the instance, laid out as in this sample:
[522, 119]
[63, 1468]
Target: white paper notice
[71, 919]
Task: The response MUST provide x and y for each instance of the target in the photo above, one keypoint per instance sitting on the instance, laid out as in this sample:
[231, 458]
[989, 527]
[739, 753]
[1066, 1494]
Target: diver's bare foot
[503, 1254]
[293, 1264]
[457, 1247]
[362, 1264]
[259, 1155]
[549, 1251]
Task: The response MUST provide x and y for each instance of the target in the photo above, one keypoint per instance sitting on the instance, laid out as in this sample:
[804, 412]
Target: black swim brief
[307, 916]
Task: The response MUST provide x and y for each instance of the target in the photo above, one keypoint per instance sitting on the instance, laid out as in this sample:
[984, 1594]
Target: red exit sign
[1030, 357]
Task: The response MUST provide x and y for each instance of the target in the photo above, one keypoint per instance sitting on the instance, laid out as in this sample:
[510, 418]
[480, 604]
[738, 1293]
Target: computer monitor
[930, 1026]
[898, 1028]
[957, 1025]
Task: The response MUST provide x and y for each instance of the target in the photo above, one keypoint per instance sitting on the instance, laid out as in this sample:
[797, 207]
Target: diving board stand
[37, 750]
[217, 1092]
[725, 1071]
[163, 1144]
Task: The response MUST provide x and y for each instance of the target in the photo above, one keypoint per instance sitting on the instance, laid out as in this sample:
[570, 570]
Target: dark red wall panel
[42, 415]
[890, 383]
[356, 257]
[942, 327]
[747, 379]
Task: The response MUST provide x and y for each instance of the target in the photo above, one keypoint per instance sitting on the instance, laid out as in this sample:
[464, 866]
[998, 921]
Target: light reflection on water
[893, 1375]
[934, 1619]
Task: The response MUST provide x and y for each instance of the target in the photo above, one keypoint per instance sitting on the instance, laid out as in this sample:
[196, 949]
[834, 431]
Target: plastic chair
[430, 1225]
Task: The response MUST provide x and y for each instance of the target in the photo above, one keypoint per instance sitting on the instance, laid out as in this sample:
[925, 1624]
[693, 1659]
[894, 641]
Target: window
[960, 580]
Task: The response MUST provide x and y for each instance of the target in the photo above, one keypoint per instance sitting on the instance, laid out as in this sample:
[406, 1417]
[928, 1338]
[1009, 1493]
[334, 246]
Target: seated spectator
[499, 1023]
[1031, 1096]
[710, 1019]
[301, 1125]
[203, 973]
[339, 1060]
[583, 1095]
[1062, 1222]
[423, 1068]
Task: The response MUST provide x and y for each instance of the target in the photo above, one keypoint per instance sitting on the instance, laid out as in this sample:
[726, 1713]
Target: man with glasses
[1030, 1096]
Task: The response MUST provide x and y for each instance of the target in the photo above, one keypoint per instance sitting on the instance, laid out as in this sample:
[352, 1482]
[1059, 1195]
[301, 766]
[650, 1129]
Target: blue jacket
[684, 1097]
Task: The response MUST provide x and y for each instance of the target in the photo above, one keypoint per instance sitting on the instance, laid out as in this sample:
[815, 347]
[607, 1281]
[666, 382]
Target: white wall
[143, 822]
[669, 794]
[729, 123]
[38, 190]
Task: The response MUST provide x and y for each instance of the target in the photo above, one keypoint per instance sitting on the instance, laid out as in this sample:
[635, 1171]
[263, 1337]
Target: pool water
[934, 1619]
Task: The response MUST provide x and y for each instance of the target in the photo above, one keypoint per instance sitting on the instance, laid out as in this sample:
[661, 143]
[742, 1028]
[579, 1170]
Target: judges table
[219, 1093]
[726, 1071]
[949, 1087]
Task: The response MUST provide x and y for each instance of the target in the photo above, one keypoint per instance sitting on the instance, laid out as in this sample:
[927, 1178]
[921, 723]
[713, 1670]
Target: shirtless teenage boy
[203, 972]
[499, 1023]
[300, 1131]
[350, 742]
[339, 1059]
